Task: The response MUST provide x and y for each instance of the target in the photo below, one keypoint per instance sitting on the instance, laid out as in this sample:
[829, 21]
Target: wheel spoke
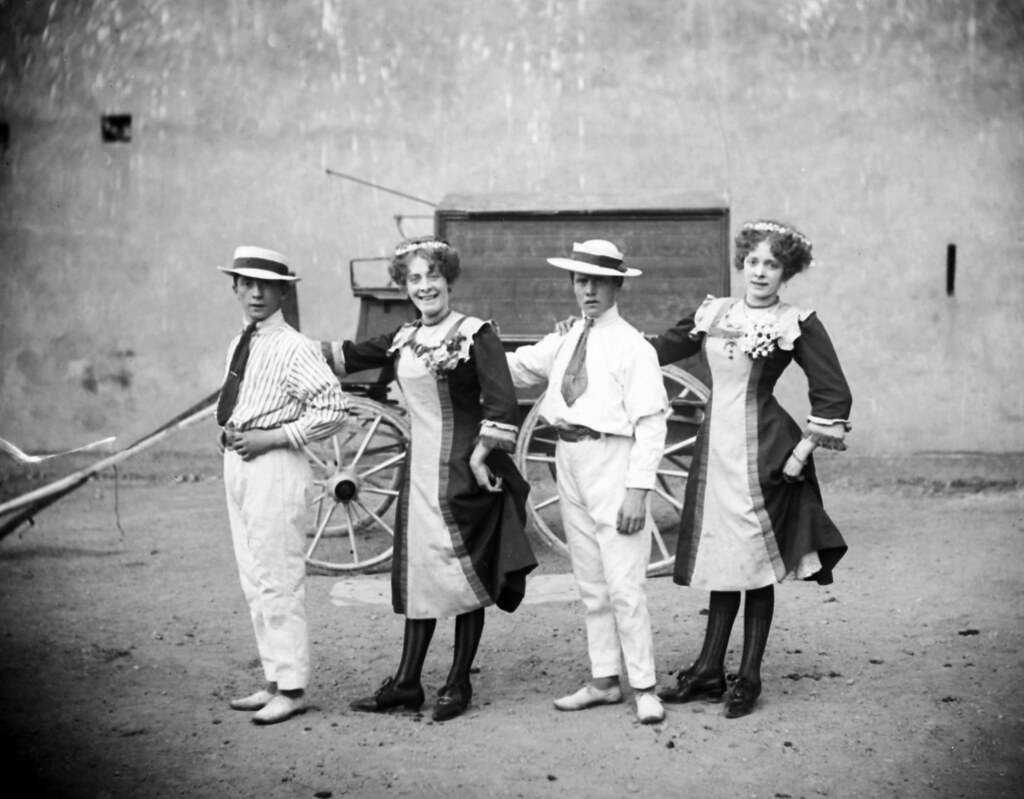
[343, 438]
[316, 459]
[679, 446]
[320, 530]
[546, 503]
[540, 458]
[353, 546]
[659, 542]
[366, 440]
[671, 500]
[382, 466]
[384, 449]
[387, 528]
[380, 492]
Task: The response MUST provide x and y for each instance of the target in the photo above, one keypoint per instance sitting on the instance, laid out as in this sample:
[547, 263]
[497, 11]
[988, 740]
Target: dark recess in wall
[116, 128]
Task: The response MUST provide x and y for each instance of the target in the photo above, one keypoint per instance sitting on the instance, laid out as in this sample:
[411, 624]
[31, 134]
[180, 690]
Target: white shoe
[281, 708]
[590, 696]
[648, 708]
[252, 701]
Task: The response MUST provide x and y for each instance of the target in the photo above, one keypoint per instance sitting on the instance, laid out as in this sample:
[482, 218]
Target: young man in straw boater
[278, 395]
[607, 401]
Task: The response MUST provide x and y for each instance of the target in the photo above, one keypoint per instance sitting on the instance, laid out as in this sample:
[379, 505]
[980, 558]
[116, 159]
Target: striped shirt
[287, 384]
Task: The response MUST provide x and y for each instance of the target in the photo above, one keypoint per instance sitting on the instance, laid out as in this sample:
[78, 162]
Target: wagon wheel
[358, 474]
[535, 458]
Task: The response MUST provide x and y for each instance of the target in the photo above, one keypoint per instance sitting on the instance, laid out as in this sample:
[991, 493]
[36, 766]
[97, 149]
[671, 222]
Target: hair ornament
[765, 226]
[411, 246]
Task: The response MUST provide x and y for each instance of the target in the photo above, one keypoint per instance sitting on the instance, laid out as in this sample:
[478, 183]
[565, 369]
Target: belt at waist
[576, 432]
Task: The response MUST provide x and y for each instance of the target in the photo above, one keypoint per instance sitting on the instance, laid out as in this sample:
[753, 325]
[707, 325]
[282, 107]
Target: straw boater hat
[595, 257]
[259, 263]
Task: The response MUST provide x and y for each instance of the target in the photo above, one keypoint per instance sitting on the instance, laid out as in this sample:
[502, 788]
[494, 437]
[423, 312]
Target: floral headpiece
[765, 226]
[412, 246]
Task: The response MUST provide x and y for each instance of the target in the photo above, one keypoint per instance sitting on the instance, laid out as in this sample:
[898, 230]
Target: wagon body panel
[681, 242]
[682, 250]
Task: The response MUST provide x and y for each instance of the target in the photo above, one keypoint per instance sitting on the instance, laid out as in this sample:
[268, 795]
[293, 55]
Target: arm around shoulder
[530, 365]
[680, 341]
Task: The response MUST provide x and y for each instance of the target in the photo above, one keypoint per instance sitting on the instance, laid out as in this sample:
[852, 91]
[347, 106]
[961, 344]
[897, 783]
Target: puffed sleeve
[828, 391]
[499, 426]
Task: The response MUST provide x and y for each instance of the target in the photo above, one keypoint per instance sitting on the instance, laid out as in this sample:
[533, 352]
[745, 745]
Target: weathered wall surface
[885, 130]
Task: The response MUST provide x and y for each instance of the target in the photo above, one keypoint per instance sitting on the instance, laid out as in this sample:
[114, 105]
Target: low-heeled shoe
[590, 696]
[742, 697]
[648, 708]
[253, 701]
[452, 701]
[389, 696]
[280, 708]
[690, 686]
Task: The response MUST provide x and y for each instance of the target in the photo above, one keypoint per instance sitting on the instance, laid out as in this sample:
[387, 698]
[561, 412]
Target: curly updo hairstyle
[439, 254]
[790, 247]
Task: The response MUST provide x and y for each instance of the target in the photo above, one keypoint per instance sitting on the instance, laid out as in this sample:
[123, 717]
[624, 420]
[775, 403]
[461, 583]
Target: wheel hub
[344, 486]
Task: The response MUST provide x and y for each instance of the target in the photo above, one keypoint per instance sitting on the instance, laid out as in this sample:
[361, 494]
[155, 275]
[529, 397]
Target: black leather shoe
[741, 698]
[452, 701]
[690, 686]
[389, 696]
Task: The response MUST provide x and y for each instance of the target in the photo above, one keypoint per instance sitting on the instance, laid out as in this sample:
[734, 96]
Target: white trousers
[610, 568]
[267, 511]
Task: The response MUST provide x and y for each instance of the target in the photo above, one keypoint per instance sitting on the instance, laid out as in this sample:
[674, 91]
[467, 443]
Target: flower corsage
[760, 339]
[443, 358]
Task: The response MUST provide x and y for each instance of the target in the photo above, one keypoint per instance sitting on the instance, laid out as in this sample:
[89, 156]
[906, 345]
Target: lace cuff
[823, 439]
[499, 435]
[827, 422]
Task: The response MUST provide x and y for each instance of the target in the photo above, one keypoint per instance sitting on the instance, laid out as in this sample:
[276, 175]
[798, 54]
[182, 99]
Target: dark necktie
[574, 382]
[229, 393]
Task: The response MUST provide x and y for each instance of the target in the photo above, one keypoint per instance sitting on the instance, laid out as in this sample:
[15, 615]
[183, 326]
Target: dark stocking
[418, 633]
[722, 610]
[468, 629]
[757, 621]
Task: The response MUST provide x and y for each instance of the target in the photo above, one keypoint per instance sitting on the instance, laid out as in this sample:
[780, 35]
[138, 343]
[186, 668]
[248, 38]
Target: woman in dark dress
[460, 543]
[752, 514]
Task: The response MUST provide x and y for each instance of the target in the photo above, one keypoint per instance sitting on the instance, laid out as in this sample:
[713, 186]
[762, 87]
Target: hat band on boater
[606, 261]
[261, 263]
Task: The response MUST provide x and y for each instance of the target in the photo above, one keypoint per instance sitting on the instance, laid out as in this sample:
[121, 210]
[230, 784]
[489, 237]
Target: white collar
[608, 317]
[276, 319]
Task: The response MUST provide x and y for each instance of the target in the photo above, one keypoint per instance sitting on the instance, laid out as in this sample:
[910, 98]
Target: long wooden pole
[32, 502]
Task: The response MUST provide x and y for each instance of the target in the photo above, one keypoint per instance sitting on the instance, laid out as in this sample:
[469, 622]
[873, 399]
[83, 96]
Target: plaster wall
[884, 130]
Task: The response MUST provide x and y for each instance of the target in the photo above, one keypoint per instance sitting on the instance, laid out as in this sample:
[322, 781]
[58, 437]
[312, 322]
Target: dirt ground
[124, 634]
